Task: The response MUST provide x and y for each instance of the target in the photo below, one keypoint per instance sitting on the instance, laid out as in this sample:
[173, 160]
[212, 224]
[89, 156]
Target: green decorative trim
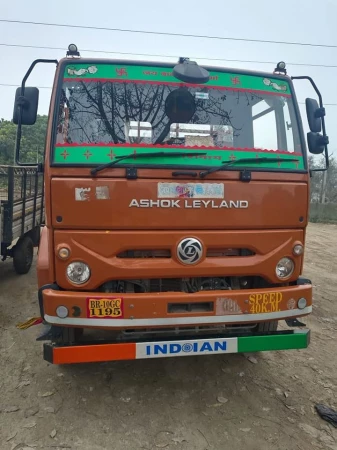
[157, 74]
[295, 340]
[91, 155]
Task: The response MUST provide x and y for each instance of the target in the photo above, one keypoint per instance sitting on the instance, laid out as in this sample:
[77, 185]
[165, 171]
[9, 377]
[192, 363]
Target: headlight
[78, 272]
[284, 268]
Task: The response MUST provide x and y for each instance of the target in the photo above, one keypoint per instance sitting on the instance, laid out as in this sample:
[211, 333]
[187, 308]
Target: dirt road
[196, 403]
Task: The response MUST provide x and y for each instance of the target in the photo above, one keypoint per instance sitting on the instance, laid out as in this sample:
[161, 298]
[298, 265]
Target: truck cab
[177, 202]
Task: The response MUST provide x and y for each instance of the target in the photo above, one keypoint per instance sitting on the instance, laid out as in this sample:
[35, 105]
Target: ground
[194, 403]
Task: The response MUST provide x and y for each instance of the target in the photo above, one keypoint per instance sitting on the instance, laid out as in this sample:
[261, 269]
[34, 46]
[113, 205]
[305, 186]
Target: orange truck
[176, 201]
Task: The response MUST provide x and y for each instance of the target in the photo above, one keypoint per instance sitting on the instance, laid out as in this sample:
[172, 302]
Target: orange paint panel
[116, 172]
[118, 212]
[93, 353]
[100, 249]
[45, 259]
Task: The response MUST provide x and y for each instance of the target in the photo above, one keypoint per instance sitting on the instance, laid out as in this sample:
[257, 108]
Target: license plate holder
[104, 307]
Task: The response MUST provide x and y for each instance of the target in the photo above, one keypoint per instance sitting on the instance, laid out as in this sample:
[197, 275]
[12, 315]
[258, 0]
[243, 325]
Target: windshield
[136, 109]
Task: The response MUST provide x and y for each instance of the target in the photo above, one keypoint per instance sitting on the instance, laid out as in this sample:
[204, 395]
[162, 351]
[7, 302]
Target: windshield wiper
[143, 155]
[243, 160]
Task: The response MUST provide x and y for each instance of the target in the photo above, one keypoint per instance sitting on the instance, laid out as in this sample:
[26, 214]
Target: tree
[32, 142]
[316, 182]
[331, 182]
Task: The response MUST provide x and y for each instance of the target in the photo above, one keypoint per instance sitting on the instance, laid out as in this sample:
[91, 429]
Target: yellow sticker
[265, 303]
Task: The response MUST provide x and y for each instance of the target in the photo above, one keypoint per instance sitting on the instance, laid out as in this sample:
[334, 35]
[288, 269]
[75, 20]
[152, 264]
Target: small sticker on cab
[82, 194]
[102, 193]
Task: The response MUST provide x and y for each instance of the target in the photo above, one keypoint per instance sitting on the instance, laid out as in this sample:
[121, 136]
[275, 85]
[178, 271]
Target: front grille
[188, 285]
[145, 254]
[226, 252]
[165, 253]
[165, 285]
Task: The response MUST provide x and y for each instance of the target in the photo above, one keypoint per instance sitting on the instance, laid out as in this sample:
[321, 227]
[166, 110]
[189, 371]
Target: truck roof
[81, 60]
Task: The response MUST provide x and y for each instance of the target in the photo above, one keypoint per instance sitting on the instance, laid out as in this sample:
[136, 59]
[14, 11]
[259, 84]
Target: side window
[63, 119]
[288, 129]
[292, 133]
[264, 126]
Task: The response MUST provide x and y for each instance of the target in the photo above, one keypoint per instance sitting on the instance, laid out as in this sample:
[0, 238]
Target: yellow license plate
[105, 308]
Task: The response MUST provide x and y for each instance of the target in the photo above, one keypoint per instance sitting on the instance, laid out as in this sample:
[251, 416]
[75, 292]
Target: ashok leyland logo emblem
[189, 251]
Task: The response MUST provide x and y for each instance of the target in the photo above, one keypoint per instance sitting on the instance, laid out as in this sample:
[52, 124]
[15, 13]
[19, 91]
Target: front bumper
[158, 309]
[98, 352]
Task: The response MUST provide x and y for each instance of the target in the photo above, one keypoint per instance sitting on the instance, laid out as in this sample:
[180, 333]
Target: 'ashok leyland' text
[147, 203]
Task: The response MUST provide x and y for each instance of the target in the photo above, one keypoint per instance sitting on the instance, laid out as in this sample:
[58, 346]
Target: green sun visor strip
[92, 155]
[113, 72]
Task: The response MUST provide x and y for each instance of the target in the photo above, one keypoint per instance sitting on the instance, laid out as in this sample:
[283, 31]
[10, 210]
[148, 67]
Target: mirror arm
[320, 113]
[20, 106]
[319, 95]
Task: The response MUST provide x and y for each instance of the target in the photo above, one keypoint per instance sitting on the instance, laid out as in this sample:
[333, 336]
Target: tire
[35, 235]
[264, 327]
[23, 255]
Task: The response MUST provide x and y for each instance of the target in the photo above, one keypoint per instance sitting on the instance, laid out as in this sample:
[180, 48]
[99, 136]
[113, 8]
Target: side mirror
[317, 143]
[29, 103]
[314, 115]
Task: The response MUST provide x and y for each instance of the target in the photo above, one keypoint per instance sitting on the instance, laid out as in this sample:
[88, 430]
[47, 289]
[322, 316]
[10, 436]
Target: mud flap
[294, 323]
[49, 333]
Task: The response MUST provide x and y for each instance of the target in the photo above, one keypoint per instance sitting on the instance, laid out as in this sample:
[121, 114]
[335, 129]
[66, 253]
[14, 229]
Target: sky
[292, 21]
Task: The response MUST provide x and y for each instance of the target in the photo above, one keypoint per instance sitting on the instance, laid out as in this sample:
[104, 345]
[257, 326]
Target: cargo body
[21, 214]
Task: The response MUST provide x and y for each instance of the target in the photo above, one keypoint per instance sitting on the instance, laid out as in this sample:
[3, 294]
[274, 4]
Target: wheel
[264, 327]
[34, 234]
[23, 255]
